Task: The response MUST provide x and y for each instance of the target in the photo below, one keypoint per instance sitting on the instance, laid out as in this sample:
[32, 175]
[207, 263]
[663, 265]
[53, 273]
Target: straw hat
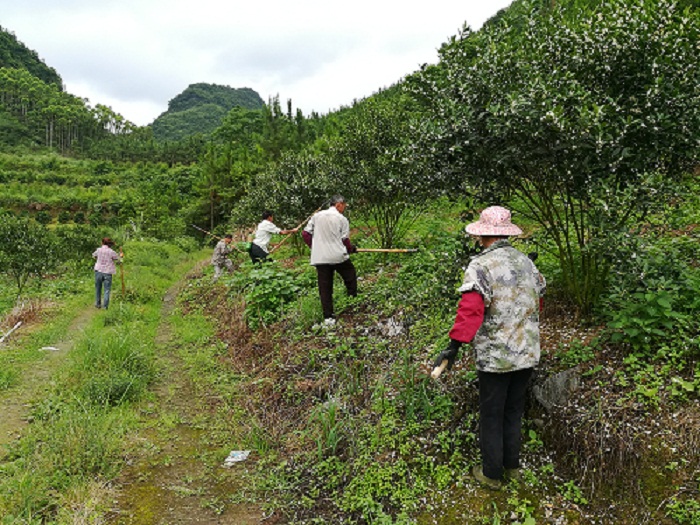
[493, 222]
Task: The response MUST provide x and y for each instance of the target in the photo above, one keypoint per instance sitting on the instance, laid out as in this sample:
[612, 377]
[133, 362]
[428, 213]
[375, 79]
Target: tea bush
[27, 249]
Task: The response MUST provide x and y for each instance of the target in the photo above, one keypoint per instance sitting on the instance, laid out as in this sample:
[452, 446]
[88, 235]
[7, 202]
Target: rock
[391, 328]
[557, 389]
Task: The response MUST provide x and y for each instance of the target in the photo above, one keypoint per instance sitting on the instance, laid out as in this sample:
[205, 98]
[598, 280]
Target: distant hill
[14, 54]
[200, 109]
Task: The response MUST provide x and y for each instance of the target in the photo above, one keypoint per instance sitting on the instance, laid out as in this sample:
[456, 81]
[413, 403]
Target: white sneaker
[327, 324]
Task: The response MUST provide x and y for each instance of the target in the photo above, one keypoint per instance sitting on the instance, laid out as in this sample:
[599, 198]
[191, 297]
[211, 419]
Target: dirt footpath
[174, 474]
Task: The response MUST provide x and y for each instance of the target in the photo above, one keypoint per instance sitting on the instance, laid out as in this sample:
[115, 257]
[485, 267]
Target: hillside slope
[14, 54]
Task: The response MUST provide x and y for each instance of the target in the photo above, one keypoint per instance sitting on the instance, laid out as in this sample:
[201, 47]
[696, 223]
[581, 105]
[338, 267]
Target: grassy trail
[35, 380]
[119, 421]
[175, 473]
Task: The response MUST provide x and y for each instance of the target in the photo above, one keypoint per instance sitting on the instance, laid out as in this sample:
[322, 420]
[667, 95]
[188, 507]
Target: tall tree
[27, 249]
[572, 109]
[379, 167]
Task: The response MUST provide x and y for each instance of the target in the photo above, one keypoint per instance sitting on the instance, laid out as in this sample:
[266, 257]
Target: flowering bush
[569, 107]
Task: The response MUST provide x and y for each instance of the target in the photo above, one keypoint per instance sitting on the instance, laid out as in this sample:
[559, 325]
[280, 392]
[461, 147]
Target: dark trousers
[257, 254]
[325, 273]
[501, 407]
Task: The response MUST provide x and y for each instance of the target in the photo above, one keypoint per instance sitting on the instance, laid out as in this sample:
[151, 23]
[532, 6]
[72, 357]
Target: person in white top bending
[264, 232]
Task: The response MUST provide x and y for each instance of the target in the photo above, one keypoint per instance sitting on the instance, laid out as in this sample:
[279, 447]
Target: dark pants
[102, 280]
[257, 254]
[325, 273]
[501, 407]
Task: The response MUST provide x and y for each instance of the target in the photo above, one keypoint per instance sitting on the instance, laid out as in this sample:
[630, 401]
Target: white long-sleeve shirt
[266, 229]
[328, 229]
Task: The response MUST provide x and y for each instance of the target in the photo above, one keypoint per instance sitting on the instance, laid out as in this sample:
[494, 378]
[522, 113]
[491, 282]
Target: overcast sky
[136, 55]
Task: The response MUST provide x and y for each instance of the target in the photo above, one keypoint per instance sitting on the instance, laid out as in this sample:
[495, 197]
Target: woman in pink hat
[499, 314]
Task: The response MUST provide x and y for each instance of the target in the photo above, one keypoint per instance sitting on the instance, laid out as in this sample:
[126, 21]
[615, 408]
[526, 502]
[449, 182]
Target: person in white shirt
[328, 235]
[264, 232]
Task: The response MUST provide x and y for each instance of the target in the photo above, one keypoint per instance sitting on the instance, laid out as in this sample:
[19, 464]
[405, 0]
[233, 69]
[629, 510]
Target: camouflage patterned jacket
[221, 250]
[511, 285]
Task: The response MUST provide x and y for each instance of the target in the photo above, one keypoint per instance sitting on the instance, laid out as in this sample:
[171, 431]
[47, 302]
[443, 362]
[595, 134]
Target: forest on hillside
[581, 116]
[15, 55]
[200, 109]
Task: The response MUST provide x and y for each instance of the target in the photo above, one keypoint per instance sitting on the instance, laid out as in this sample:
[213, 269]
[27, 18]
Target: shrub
[684, 512]
[267, 290]
[77, 242]
[64, 216]
[27, 249]
[644, 321]
[43, 217]
[574, 107]
[95, 219]
[654, 293]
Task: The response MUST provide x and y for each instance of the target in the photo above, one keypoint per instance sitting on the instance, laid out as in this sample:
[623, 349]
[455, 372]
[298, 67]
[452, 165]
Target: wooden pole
[387, 250]
[217, 238]
[299, 226]
[121, 271]
[205, 231]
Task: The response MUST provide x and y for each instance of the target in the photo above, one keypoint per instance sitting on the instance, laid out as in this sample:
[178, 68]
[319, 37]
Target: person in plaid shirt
[105, 268]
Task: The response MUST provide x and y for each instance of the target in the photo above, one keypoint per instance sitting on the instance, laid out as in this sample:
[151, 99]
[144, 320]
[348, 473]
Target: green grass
[24, 345]
[79, 428]
[364, 434]
[362, 419]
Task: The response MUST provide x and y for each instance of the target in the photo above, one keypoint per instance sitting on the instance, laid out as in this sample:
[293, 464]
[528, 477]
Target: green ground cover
[80, 417]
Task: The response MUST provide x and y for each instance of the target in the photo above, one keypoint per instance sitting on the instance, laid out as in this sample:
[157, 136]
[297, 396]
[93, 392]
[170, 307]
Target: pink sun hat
[494, 221]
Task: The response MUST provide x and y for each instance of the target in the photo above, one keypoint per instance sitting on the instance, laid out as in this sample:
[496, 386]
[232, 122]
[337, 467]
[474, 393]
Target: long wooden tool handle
[121, 270]
[298, 226]
[388, 250]
[282, 241]
[309, 217]
[439, 369]
[205, 231]
[217, 238]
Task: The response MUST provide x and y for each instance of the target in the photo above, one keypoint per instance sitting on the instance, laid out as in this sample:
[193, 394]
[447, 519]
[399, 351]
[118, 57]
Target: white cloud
[136, 55]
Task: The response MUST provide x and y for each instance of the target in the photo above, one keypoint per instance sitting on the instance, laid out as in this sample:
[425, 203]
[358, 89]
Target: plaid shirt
[106, 259]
